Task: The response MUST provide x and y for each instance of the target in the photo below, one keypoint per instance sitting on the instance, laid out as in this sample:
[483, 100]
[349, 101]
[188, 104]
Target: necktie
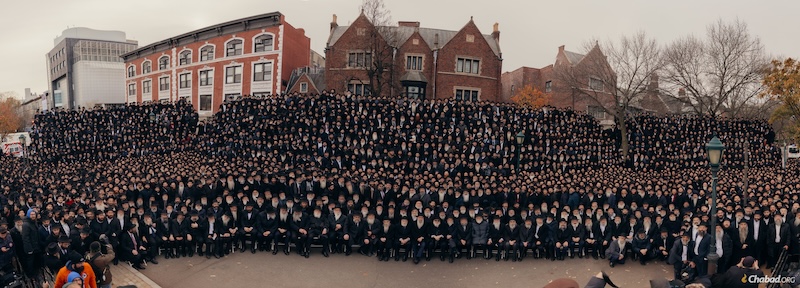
[134, 240]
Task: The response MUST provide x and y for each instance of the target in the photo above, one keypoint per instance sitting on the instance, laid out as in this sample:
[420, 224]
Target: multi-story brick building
[249, 56]
[423, 62]
[563, 94]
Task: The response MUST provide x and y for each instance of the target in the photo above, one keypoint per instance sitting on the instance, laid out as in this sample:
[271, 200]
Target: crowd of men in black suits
[396, 178]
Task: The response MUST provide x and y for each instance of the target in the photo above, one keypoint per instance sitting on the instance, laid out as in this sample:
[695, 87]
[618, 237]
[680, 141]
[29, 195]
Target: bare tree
[721, 73]
[379, 42]
[615, 76]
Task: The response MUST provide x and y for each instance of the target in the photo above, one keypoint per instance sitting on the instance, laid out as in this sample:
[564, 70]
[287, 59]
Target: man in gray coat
[480, 234]
[616, 251]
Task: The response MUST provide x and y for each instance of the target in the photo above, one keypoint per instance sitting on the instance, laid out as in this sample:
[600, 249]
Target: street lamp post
[520, 140]
[714, 150]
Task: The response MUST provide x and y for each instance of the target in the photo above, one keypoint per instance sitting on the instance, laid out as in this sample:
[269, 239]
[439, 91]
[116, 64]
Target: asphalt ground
[266, 270]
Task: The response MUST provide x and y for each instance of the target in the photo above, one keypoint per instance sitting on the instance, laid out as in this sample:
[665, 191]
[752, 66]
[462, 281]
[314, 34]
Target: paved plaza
[249, 270]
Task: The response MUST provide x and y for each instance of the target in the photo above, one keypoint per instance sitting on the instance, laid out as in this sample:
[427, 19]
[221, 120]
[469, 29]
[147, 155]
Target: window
[595, 84]
[163, 84]
[548, 86]
[470, 38]
[361, 31]
[146, 67]
[206, 78]
[205, 102]
[163, 63]
[131, 71]
[467, 95]
[263, 43]
[207, 53]
[146, 86]
[359, 89]
[185, 80]
[359, 59]
[596, 112]
[262, 72]
[465, 65]
[233, 48]
[414, 63]
[304, 87]
[57, 99]
[131, 89]
[231, 97]
[233, 74]
[185, 58]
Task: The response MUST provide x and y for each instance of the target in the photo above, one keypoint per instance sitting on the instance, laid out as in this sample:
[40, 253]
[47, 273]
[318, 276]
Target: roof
[414, 76]
[428, 35]
[216, 29]
[574, 58]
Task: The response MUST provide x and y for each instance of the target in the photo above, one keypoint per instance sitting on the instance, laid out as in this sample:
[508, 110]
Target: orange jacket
[89, 280]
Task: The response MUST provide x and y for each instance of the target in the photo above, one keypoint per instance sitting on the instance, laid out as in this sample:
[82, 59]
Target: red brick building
[563, 95]
[424, 63]
[249, 56]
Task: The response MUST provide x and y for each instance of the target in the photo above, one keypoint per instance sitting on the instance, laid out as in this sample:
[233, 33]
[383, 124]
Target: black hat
[193, 213]
[128, 226]
[641, 231]
[3, 229]
[64, 239]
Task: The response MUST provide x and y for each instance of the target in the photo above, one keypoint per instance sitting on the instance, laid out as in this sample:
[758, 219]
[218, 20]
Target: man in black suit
[354, 234]
[338, 221]
[662, 244]
[462, 238]
[732, 278]
[701, 247]
[419, 238]
[267, 226]
[131, 247]
[437, 238]
[248, 231]
[603, 235]
[402, 239]
[616, 251]
[385, 240]
[283, 230]
[318, 230]
[778, 237]
[299, 228]
[541, 241]
[511, 240]
[212, 231]
[681, 254]
[758, 232]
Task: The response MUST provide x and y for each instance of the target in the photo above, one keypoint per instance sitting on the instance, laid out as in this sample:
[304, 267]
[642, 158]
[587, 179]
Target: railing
[781, 268]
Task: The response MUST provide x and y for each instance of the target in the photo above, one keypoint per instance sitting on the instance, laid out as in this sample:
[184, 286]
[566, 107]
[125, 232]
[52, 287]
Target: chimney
[408, 24]
[436, 40]
[561, 48]
[333, 22]
[496, 32]
[653, 83]
[681, 93]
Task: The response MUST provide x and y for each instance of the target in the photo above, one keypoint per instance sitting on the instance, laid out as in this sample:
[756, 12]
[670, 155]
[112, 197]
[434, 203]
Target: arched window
[131, 71]
[263, 43]
[207, 53]
[185, 58]
[163, 63]
[233, 48]
[147, 67]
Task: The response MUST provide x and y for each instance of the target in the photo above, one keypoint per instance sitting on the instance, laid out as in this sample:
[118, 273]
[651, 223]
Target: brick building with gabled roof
[426, 63]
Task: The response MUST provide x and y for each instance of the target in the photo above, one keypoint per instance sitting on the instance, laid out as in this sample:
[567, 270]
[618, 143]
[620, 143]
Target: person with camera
[100, 261]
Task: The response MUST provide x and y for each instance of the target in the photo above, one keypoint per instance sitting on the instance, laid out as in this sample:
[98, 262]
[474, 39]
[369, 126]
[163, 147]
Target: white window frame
[592, 84]
[472, 61]
[168, 62]
[145, 71]
[355, 64]
[364, 87]
[181, 58]
[548, 86]
[271, 71]
[231, 40]
[207, 72]
[132, 89]
[200, 103]
[271, 47]
[188, 78]
[466, 89]
[213, 52]
[160, 85]
[240, 66]
[415, 66]
[131, 71]
[303, 87]
[149, 86]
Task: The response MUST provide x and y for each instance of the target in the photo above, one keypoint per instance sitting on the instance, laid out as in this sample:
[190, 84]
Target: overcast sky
[531, 31]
